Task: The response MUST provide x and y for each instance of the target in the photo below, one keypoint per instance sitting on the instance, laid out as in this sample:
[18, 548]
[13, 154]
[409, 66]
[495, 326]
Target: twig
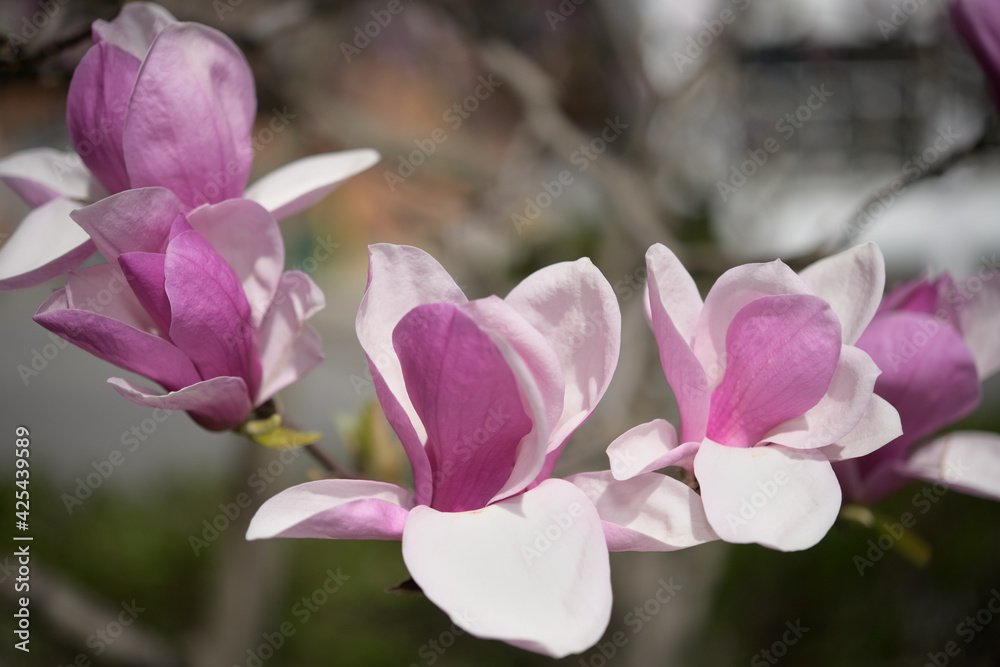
[327, 461]
[909, 178]
[628, 194]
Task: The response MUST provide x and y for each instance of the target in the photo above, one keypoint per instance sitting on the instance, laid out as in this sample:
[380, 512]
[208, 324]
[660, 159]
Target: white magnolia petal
[298, 185]
[852, 283]
[968, 461]
[135, 27]
[531, 570]
[641, 448]
[677, 290]
[400, 278]
[650, 512]
[879, 426]
[980, 318]
[786, 499]
[42, 174]
[46, 244]
[575, 309]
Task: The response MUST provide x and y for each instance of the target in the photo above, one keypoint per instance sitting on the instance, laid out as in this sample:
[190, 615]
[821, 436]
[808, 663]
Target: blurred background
[730, 130]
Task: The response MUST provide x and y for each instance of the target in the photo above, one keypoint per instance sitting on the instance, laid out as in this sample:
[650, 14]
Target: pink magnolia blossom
[483, 396]
[770, 388]
[196, 301]
[935, 341]
[154, 102]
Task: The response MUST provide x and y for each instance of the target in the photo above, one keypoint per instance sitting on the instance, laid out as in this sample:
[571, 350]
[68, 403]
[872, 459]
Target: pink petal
[733, 290]
[782, 353]
[928, 374]
[979, 314]
[298, 185]
[96, 107]
[289, 348]
[131, 221]
[785, 499]
[537, 371]
[116, 341]
[339, 509]
[145, 274]
[190, 116]
[531, 570]
[468, 401]
[649, 512]
[218, 404]
[103, 289]
[46, 244]
[572, 305]
[923, 296]
[852, 283]
[683, 370]
[400, 278]
[839, 411]
[645, 448]
[40, 175]
[497, 317]
[249, 240]
[135, 27]
[211, 317]
[968, 461]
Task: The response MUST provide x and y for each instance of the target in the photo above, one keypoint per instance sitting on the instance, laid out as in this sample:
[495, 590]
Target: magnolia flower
[195, 301]
[770, 389]
[935, 342]
[154, 102]
[978, 22]
[483, 396]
